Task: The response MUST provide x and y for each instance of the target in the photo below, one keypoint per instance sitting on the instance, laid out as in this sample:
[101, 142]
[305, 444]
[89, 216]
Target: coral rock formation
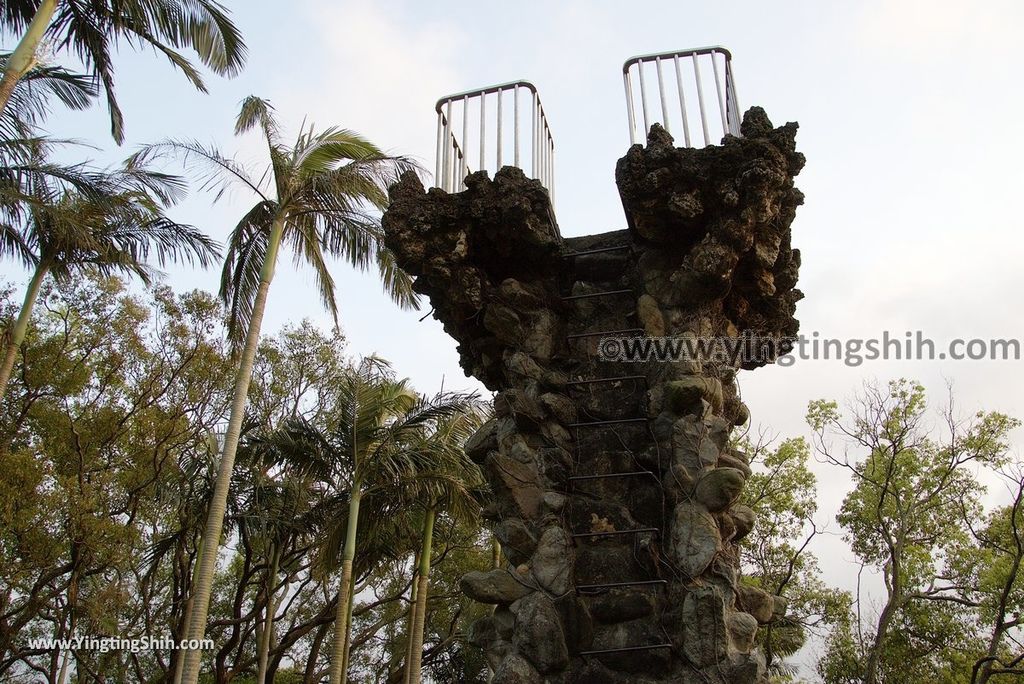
[614, 482]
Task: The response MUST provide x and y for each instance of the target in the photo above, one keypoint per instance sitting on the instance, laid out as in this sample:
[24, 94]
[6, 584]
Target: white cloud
[928, 31]
[377, 74]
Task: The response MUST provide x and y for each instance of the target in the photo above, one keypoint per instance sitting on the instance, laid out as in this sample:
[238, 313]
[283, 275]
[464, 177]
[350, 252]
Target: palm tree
[92, 29]
[315, 196]
[381, 448]
[22, 149]
[446, 481]
[73, 220]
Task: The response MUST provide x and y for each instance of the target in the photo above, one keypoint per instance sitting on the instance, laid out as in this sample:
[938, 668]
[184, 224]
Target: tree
[384, 446]
[106, 484]
[906, 515]
[458, 548]
[782, 493]
[297, 372]
[446, 480]
[92, 30]
[382, 435]
[991, 565]
[316, 197]
[116, 394]
[296, 375]
[76, 220]
[272, 516]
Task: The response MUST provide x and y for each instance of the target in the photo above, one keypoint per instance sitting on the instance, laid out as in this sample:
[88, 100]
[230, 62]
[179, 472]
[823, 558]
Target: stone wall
[606, 472]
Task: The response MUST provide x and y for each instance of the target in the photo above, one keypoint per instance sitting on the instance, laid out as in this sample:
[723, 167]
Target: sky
[912, 219]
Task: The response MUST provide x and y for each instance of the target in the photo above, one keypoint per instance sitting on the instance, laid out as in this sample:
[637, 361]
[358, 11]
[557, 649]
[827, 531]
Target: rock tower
[615, 484]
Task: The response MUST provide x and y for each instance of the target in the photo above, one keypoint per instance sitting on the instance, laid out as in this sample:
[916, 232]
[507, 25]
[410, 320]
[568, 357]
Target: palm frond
[17, 14]
[167, 188]
[139, 235]
[205, 27]
[33, 93]
[396, 282]
[90, 30]
[31, 99]
[177, 60]
[243, 263]
[75, 218]
[307, 249]
[214, 171]
[84, 30]
[14, 246]
[258, 112]
[318, 153]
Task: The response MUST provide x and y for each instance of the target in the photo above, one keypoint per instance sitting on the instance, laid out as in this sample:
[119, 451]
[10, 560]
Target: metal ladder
[627, 380]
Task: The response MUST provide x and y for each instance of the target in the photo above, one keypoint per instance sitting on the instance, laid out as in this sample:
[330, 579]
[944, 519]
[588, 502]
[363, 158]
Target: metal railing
[689, 70]
[485, 122]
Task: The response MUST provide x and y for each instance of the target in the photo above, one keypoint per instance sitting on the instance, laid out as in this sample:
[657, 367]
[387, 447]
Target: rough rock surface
[706, 255]
[498, 586]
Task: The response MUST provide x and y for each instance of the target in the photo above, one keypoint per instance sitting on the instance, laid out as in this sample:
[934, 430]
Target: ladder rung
[598, 250]
[633, 473]
[615, 585]
[616, 421]
[593, 381]
[624, 649]
[591, 295]
[612, 533]
[596, 333]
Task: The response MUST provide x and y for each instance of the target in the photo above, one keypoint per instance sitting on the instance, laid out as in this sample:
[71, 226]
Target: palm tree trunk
[421, 598]
[24, 56]
[412, 620]
[337, 674]
[21, 325]
[349, 604]
[268, 621]
[219, 501]
[496, 564]
[179, 660]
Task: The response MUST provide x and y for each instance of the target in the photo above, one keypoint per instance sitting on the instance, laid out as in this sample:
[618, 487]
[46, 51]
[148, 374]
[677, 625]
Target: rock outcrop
[614, 484]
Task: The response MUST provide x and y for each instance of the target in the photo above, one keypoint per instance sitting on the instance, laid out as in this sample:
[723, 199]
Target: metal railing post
[718, 91]
[682, 101]
[661, 96]
[535, 129]
[465, 139]
[515, 105]
[730, 88]
[643, 98]
[439, 152]
[483, 129]
[629, 106]
[498, 131]
[700, 101]
[447, 147]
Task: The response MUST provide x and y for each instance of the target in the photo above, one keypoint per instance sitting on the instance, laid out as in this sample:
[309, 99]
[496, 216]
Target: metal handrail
[452, 164]
[728, 106]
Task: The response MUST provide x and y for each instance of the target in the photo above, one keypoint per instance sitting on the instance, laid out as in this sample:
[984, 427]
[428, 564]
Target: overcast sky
[909, 118]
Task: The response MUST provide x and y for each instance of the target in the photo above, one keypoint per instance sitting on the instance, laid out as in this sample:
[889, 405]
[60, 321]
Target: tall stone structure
[615, 485]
